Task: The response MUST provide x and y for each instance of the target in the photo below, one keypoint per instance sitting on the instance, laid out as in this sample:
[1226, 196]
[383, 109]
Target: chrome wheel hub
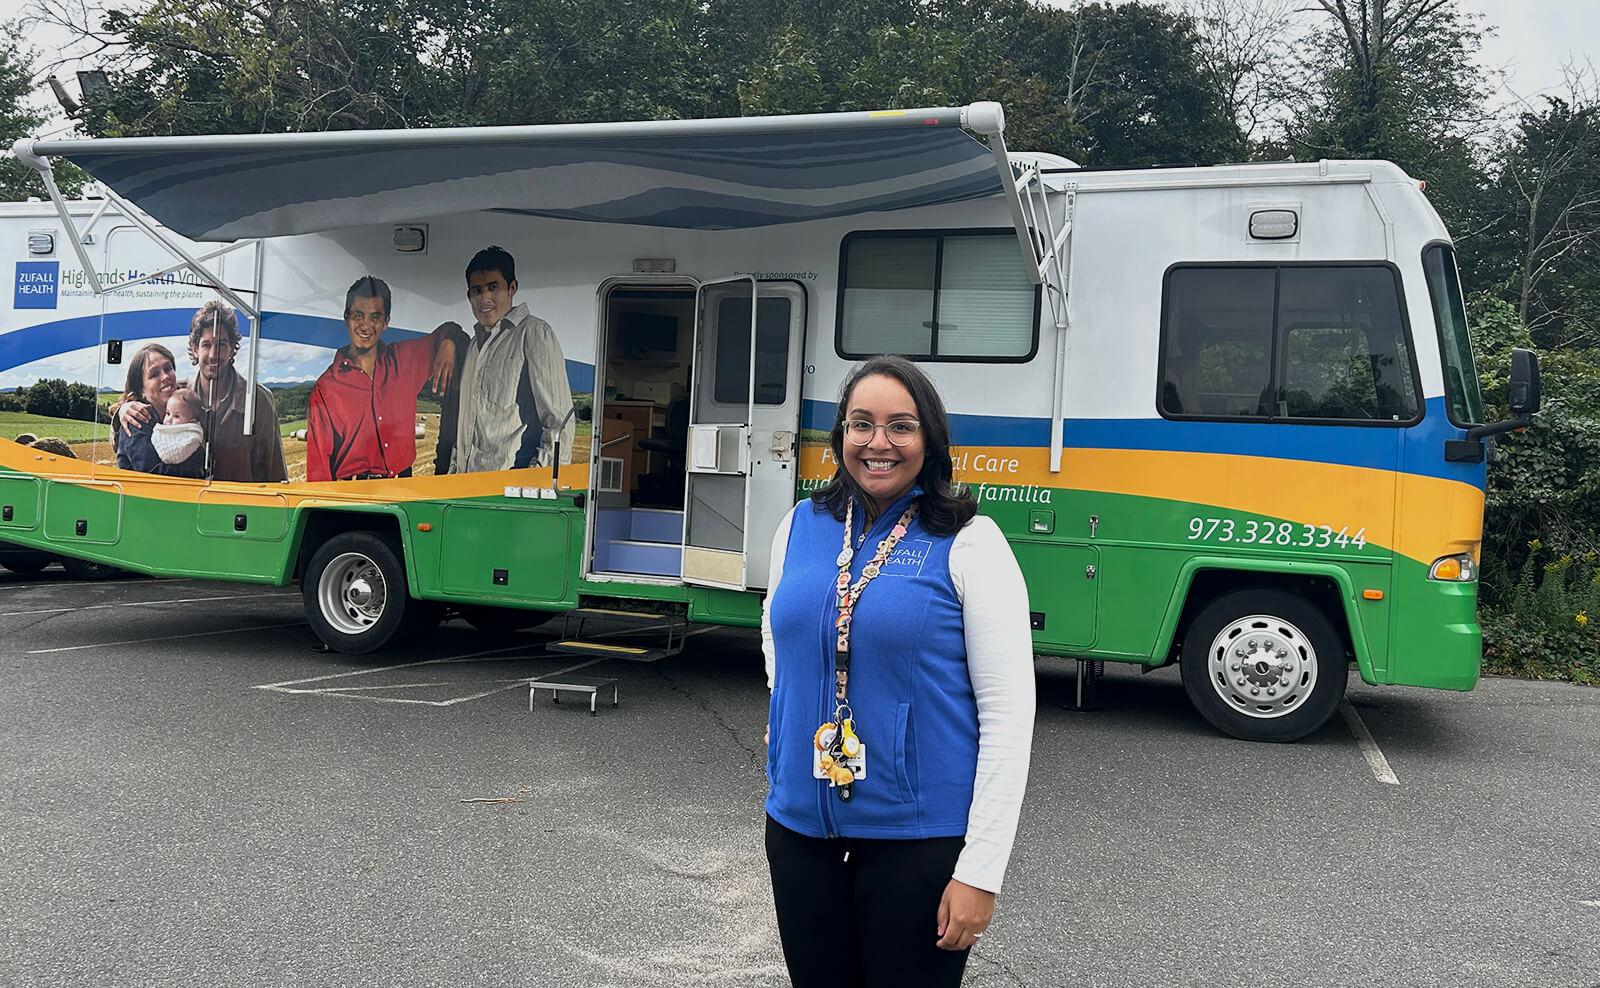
[1262, 666]
[351, 593]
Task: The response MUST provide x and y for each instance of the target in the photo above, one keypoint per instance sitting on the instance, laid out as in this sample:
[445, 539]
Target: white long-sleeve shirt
[994, 616]
[514, 379]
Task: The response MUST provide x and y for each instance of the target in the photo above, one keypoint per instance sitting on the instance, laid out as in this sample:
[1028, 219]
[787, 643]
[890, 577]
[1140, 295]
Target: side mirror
[586, 412]
[1523, 395]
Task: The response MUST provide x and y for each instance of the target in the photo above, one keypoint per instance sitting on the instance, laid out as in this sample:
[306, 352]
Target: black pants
[870, 920]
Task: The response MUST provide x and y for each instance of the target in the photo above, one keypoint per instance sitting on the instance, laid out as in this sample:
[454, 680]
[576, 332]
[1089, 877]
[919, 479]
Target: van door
[744, 419]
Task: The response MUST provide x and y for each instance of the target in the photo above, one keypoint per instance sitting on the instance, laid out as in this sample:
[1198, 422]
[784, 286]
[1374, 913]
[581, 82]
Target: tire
[1293, 659]
[25, 565]
[83, 569]
[354, 591]
[502, 620]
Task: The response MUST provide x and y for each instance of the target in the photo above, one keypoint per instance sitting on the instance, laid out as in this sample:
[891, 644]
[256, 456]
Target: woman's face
[160, 379]
[882, 469]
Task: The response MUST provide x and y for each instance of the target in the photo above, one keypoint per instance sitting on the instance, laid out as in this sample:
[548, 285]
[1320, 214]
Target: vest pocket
[902, 771]
[775, 742]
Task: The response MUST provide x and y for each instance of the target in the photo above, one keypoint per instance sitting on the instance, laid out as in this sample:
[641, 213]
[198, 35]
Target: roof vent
[41, 243]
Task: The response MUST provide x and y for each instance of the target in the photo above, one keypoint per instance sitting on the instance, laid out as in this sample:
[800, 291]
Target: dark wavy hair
[368, 286]
[493, 258]
[944, 510]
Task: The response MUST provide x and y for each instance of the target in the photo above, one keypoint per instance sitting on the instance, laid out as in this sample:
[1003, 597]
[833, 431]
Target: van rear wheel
[1263, 665]
[354, 591]
[25, 565]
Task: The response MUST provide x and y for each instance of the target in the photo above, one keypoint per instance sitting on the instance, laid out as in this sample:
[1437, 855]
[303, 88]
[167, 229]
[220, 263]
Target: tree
[1245, 52]
[18, 181]
[1394, 79]
[49, 397]
[218, 66]
[1550, 183]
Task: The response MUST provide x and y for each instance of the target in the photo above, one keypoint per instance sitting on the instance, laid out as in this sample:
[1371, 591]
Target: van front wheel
[1263, 665]
[354, 592]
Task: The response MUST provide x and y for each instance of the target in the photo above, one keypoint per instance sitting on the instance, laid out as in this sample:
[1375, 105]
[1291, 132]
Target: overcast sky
[1531, 41]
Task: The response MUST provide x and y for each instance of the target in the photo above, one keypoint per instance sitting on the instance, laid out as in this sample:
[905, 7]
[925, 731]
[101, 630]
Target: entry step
[632, 653]
[618, 614]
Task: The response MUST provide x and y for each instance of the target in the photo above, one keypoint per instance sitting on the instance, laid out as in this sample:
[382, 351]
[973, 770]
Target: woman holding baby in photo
[172, 441]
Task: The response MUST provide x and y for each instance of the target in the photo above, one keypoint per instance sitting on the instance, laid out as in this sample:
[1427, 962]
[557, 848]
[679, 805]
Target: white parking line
[164, 638]
[358, 692]
[464, 657]
[146, 603]
[1369, 748]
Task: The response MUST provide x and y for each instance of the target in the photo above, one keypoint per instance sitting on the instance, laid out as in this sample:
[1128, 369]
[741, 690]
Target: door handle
[782, 446]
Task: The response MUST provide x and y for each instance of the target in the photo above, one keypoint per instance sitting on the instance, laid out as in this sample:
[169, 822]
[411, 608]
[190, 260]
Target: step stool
[591, 685]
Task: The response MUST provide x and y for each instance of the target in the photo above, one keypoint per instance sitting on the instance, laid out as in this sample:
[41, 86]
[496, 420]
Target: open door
[744, 419]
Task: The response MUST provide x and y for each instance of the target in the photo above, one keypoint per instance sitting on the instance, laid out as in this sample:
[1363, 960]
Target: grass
[14, 424]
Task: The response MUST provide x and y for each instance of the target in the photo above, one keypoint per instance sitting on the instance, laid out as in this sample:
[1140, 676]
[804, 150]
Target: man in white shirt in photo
[514, 395]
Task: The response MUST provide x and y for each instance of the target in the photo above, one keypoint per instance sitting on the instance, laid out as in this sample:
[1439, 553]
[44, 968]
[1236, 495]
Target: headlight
[1454, 569]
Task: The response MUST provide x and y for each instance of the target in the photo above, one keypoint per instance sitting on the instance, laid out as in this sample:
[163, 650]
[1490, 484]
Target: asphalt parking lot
[193, 795]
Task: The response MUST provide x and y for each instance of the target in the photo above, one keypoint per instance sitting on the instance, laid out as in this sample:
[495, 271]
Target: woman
[901, 664]
[152, 379]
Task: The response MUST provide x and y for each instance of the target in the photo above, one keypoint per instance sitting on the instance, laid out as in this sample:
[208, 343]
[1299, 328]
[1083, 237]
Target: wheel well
[320, 526]
[1209, 584]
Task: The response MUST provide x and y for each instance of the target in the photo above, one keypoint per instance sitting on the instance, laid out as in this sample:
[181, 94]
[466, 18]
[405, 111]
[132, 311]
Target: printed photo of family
[502, 394]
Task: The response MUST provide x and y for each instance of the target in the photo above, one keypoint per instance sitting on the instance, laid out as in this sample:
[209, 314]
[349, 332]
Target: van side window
[943, 296]
[1218, 345]
[1344, 353]
[1325, 343]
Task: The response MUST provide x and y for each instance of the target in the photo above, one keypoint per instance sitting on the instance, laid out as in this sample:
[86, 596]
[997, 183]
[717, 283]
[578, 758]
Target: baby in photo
[180, 435]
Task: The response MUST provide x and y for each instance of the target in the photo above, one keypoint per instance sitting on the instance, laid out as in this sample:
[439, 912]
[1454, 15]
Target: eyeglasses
[899, 432]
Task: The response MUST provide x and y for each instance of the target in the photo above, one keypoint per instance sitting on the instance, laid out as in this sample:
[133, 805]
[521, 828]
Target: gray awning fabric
[691, 174]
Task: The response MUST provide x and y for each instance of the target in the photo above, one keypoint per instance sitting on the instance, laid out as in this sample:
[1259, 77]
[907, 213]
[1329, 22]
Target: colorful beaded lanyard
[837, 740]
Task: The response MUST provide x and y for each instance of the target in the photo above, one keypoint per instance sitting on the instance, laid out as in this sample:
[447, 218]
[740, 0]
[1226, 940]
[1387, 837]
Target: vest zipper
[824, 803]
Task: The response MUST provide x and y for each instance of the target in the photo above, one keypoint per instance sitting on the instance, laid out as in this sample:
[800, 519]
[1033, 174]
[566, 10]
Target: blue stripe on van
[1379, 448]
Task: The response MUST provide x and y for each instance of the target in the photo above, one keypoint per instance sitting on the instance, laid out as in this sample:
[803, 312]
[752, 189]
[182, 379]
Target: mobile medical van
[1227, 416]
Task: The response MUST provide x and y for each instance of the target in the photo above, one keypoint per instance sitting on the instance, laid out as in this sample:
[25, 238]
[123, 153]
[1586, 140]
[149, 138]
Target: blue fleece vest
[909, 687]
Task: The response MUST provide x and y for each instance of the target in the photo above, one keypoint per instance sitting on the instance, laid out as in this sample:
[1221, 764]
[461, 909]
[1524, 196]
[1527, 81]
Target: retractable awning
[720, 174]
[715, 174]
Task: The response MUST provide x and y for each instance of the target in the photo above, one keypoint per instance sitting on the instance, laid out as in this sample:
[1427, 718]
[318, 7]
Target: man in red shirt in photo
[363, 409]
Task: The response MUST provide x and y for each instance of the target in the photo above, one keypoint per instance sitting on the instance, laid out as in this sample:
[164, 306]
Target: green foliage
[1375, 82]
[1546, 485]
[1542, 515]
[1547, 624]
[53, 397]
[18, 181]
[1132, 91]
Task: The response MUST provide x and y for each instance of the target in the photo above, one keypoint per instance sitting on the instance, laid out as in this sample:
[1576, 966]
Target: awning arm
[23, 150]
[1046, 250]
[25, 153]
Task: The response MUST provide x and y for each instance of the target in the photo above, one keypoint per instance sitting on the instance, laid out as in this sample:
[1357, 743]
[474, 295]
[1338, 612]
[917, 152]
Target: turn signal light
[1454, 569]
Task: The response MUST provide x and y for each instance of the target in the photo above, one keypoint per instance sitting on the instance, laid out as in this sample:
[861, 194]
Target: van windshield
[1455, 346]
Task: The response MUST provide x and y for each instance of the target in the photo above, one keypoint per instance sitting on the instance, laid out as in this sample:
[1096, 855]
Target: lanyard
[849, 594]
